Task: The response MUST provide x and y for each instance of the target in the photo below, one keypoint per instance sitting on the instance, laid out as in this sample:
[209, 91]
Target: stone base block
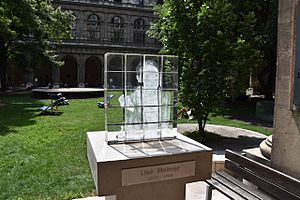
[159, 176]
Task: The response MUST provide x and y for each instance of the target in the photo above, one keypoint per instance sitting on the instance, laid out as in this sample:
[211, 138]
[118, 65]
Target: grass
[44, 156]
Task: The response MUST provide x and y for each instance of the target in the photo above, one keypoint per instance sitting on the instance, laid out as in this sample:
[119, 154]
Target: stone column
[56, 76]
[81, 25]
[126, 28]
[286, 137]
[29, 77]
[130, 29]
[105, 28]
[81, 71]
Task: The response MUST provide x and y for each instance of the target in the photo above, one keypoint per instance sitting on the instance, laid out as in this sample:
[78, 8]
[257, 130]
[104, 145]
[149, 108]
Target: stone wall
[286, 137]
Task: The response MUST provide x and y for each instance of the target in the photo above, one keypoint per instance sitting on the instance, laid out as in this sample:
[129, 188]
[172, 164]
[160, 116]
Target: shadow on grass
[17, 111]
[51, 113]
[208, 136]
[241, 111]
[220, 143]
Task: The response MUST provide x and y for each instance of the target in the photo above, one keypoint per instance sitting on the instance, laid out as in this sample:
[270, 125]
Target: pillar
[81, 71]
[286, 137]
[56, 76]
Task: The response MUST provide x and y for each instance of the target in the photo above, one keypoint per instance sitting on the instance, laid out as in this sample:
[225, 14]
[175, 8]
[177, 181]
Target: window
[160, 1]
[138, 2]
[74, 27]
[139, 32]
[93, 27]
[117, 27]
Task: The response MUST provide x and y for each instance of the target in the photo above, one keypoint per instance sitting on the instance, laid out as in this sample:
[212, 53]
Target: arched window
[138, 2]
[93, 27]
[139, 33]
[74, 27]
[159, 1]
[117, 22]
[139, 24]
[117, 29]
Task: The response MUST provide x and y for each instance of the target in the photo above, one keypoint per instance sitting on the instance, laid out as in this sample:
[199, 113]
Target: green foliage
[31, 29]
[216, 47]
[266, 13]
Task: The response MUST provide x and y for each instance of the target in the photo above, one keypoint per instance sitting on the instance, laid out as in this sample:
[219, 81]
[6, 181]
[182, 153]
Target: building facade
[101, 26]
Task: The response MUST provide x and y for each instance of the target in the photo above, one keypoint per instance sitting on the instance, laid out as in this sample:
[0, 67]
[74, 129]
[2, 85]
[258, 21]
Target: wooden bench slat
[224, 190]
[267, 186]
[268, 173]
[259, 194]
[236, 188]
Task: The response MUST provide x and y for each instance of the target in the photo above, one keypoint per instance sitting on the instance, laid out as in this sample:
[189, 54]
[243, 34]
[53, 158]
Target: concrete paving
[235, 139]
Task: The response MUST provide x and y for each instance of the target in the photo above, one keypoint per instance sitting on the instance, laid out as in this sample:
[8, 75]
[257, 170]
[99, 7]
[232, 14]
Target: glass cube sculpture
[144, 104]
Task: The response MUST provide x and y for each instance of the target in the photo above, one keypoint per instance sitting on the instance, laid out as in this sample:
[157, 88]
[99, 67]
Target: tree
[266, 13]
[216, 49]
[31, 29]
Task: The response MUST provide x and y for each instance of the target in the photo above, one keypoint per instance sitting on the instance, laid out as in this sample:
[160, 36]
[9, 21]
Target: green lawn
[44, 157]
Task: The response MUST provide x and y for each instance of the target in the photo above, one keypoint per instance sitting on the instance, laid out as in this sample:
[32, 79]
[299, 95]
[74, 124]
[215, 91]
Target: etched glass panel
[170, 64]
[115, 119]
[112, 97]
[114, 62]
[131, 81]
[144, 89]
[133, 61]
[115, 80]
[167, 97]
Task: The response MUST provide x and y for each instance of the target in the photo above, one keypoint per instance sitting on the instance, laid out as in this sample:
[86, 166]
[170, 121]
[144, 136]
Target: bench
[244, 178]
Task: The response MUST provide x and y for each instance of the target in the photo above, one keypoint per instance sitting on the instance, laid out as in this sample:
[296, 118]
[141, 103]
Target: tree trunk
[3, 64]
[201, 129]
[201, 125]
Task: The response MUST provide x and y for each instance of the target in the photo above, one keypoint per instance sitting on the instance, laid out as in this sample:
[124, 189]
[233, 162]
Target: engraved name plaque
[157, 173]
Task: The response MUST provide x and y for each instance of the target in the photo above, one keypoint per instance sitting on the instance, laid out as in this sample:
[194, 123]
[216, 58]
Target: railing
[124, 3]
[109, 35]
[111, 43]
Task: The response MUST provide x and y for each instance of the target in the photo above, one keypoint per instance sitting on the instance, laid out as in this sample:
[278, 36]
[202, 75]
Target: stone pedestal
[266, 147]
[148, 170]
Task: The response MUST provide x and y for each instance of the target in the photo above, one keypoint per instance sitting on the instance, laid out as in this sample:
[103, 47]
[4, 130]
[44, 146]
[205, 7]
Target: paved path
[234, 138]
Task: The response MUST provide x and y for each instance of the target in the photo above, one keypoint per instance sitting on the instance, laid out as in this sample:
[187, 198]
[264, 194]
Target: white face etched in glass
[150, 75]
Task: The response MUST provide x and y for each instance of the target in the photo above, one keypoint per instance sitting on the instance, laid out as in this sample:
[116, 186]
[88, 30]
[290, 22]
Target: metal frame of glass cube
[144, 104]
